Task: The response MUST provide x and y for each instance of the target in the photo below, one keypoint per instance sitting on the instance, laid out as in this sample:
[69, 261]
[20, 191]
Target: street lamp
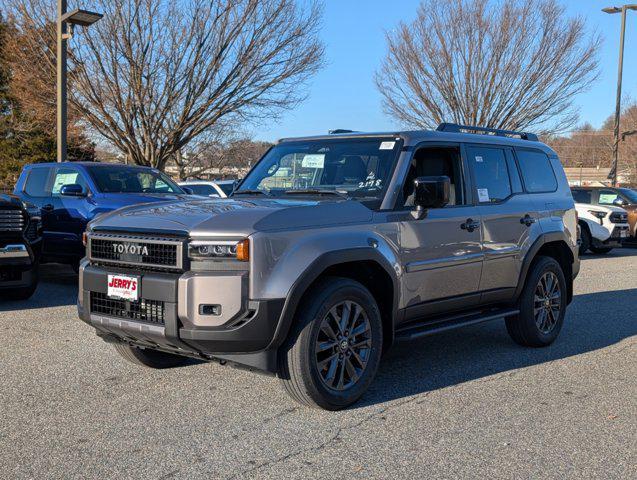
[83, 18]
[612, 175]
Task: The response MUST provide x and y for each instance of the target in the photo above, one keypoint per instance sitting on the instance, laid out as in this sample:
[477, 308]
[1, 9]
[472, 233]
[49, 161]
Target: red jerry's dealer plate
[123, 287]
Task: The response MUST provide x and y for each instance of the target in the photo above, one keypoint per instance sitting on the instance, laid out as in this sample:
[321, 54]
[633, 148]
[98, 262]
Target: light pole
[612, 175]
[65, 19]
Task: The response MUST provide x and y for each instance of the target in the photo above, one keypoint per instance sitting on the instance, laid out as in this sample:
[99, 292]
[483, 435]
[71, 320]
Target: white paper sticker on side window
[478, 159]
[387, 145]
[483, 195]
[313, 160]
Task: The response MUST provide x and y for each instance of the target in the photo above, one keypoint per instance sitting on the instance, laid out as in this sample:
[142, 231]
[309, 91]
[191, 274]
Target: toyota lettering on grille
[130, 248]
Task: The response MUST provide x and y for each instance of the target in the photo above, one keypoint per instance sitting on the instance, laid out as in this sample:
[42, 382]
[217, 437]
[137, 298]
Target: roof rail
[336, 131]
[453, 127]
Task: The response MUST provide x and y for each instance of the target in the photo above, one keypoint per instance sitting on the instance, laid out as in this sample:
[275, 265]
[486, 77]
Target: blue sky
[343, 94]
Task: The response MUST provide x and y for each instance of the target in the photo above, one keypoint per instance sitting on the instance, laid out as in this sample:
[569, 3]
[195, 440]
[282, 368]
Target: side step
[442, 324]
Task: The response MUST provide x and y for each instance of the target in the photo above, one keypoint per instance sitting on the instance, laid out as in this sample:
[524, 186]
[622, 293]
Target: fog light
[207, 309]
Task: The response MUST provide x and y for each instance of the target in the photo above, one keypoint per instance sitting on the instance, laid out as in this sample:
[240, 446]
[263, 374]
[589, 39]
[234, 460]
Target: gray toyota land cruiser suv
[333, 248]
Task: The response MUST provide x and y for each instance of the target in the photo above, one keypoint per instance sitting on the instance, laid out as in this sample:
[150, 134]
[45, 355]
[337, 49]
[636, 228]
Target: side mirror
[619, 202]
[72, 190]
[188, 191]
[431, 192]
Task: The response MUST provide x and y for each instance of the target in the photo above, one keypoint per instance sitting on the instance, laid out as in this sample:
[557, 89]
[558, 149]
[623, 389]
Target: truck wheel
[601, 250]
[334, 350]
[542, 305]
[585, 239]
[22, 293]
[149, 358]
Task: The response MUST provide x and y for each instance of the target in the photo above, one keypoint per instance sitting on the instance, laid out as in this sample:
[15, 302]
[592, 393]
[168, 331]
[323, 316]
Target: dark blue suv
[71, 194]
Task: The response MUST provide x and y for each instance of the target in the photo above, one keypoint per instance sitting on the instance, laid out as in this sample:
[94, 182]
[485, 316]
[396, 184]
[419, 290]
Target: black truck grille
[142, 310]
[11, 220]
[136, 251]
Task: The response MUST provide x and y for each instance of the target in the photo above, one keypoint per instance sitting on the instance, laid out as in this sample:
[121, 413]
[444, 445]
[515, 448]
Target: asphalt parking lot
[468, 403]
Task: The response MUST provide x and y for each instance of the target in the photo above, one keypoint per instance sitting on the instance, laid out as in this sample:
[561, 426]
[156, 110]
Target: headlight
[598, 214]
[32, 210]
[219, 250]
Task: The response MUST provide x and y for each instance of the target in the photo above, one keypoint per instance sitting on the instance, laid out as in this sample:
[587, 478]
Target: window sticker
[607, 197]
[371, 181]
[483, 195]
[313, 160]
[479, 159]
[387, 146]
[62, 179]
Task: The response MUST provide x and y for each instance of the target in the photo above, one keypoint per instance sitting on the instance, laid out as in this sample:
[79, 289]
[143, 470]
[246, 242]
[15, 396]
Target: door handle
[48, 207]
[527, 220]
[470, 225]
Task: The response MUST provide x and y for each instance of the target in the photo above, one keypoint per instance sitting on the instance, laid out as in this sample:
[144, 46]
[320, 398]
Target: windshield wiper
[250, 192]
[314, 191]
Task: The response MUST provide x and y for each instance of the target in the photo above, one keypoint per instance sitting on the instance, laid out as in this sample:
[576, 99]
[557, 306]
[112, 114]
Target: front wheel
[333, 353]
[542, 305]
[149, 358]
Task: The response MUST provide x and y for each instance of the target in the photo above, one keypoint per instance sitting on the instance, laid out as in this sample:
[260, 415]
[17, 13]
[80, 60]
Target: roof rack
[453, 127]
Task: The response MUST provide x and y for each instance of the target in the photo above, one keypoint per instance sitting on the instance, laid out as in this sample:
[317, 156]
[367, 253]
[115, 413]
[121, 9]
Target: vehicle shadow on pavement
[58, 287]
[483, 351]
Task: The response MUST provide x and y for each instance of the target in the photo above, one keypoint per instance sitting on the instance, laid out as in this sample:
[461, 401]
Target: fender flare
[318, 266]
[531, 254]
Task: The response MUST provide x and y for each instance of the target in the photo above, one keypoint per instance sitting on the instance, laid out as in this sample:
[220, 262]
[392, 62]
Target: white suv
[602, 227]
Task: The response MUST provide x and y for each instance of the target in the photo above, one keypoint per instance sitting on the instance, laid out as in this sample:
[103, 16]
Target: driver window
[436, 161]
[67, 176]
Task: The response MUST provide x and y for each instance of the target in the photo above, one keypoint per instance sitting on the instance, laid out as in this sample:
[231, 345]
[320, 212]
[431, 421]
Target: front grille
[138, 251]
[618, 217]
[142, 310]
[11, 220]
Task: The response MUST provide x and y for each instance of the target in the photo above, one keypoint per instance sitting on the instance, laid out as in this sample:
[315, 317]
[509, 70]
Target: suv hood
[232, 217]
[580, 207]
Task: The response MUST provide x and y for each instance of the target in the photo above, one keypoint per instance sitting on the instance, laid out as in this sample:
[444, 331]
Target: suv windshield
[123, 179]
[355, 167]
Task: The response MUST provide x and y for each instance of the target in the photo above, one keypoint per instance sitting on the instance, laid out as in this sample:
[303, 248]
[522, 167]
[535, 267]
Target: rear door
[508, 217]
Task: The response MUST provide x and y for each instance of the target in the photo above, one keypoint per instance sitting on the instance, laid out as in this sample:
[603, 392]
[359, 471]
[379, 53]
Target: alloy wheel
[343, 345]
[547, 302]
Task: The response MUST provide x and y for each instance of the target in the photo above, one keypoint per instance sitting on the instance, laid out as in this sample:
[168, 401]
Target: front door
[441, 251]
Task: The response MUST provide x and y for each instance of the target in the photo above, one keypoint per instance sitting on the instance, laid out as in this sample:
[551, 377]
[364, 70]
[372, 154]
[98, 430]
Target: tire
[339, 374]
[601, 250]
[21, 293]
[586, 240]
[539, 329]
[150, 358]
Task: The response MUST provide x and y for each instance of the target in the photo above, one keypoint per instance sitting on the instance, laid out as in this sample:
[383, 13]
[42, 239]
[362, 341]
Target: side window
[67, 176]
[436, 161]
[491, 172]
[607, 197]
[582, 196]
[37, 182]
[537, 171]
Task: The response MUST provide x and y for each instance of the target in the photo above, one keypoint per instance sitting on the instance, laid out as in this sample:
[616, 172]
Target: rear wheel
[334, 351]
[150, 358]
[542, 305]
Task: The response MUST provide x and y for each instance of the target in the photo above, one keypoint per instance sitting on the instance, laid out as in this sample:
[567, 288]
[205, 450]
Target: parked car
[214, 189]
[20, 244]
[333, 248]
[602, 228]
[71, 194]
[625, 198]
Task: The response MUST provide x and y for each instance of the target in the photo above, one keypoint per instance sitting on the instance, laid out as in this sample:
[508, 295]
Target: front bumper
[18, 266]
[619, 234]
[241, 335]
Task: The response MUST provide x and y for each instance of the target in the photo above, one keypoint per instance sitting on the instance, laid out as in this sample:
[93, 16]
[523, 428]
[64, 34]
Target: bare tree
[154, 75]
[513, 65]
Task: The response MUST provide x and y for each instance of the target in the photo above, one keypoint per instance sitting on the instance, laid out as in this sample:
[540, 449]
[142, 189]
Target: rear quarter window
[37, 181]
[537, 172]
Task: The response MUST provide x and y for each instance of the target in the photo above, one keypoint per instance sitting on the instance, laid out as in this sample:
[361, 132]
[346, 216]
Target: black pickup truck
[20, 245]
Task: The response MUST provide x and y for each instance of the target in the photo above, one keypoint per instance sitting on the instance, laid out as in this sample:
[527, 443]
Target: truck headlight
[219, 250]
[598, 214]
